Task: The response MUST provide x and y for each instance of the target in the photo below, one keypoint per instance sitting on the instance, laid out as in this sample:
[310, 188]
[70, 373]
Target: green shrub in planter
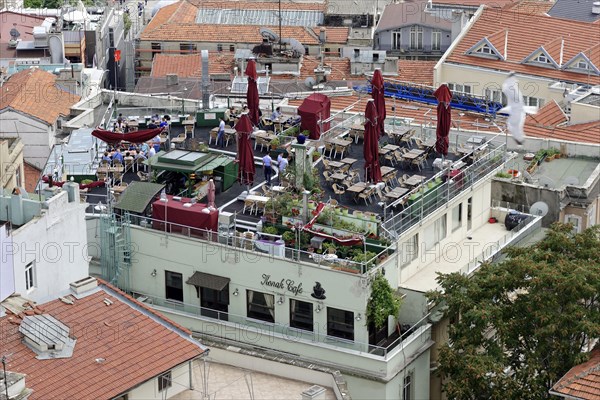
[271, 230]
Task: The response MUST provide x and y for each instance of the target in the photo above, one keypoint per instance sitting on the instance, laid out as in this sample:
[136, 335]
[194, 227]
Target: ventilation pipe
[596, 8]
[205, 81]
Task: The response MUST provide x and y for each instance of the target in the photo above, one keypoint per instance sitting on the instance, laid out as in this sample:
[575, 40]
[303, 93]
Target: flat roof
[559, 173]
[455, 256]
[226, 382]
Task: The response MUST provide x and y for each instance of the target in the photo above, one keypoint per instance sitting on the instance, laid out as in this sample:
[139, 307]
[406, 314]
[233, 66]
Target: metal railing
[434, 193]
[283, 331]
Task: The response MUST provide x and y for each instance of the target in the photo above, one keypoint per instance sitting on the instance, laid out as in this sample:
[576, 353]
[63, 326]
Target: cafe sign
[284, 284]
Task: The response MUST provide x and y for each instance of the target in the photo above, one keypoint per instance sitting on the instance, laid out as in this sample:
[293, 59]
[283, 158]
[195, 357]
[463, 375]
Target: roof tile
[34, 92]
[135, 348]
[583, 380]
[527, 33]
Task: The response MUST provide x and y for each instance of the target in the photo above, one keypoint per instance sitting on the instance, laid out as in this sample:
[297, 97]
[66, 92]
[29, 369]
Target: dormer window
[542, 59]
[582, 64]
[485, 49]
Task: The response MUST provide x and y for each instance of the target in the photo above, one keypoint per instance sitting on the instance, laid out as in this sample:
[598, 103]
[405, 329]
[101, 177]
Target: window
[457, 87]
[232, 48]
[435, 233]
[436, 39]
[456, 217]
[301, 315]
[165, 381]
[396, 40]
[533, 101]
[410, 250]
[340, 323]
[18, 176]
[574, 220]
[156, 48]
[186, 48]
[485, 49]
[306, 53]
[407, 387]
[173, 286]
[111, 37]
[582, 64]
[591, 216]
[29, 276]
[469, 213]
[327, 51]
[214, 303]
[494, 95]
[260, 306]
[542, 58]
[416, 37]
[219, 47]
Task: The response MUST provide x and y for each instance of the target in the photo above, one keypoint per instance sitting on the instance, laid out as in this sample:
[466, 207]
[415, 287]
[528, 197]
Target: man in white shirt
[267, 166]
[282, 165]
[221, 134]
[151, 152]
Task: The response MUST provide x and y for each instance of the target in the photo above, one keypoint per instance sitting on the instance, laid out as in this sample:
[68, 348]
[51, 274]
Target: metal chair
[338, 190]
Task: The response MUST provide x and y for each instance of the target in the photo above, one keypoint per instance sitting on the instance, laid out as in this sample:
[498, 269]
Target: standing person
[267, 166]
[282, 165]
[221, 134]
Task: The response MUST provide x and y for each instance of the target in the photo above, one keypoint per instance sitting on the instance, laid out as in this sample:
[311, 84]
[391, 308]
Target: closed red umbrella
[252, 92]
[379, 97]
[444, 119]
[371, 144]
[245, 156]
[211, 193]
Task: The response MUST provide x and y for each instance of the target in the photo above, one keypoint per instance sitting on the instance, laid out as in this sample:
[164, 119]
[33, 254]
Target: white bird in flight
[515, 108]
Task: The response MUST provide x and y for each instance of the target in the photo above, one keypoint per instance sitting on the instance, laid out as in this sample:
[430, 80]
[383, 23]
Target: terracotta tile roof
[34, 92]
[530, 7]
[135, 348]
[473, 3]
[333, 34]
[259, 5]
[526, 33]
[32, 176]
[584, 133]
[190, 65]
[176, 22]
[549, 115]
[420, 72]
[582, 381]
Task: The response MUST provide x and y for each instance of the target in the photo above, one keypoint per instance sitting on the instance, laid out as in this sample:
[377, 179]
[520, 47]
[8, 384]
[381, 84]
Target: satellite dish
[572, 180]
[539, 208]
[310, 82]
[268, 34]
[547, 182]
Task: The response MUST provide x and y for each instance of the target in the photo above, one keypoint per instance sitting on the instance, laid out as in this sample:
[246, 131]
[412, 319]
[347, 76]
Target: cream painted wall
[37, 136]
[581, 113]
[481, 79]
[149, 390]
[11, 160]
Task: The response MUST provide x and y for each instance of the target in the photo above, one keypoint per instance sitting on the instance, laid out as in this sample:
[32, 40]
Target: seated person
[106, 158]
[118, 157]
[152, 124]
[163, 123]
[117, 128]
[276, 114]
[144, 148]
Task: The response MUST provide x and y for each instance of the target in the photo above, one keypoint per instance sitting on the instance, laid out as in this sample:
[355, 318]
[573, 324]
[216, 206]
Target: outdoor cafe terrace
[416, 182]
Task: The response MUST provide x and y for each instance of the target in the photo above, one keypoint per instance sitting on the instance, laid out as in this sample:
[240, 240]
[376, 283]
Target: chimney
[596, 8]
[172, 79]
[205, 80]
[84, 285]
[322, 36]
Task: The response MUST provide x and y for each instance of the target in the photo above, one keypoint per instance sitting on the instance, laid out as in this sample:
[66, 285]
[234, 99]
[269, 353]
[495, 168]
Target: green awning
[138, 195]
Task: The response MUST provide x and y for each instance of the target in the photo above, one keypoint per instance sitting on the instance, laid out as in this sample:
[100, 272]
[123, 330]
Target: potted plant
[271, 230]
[382, 303]
[275, 143]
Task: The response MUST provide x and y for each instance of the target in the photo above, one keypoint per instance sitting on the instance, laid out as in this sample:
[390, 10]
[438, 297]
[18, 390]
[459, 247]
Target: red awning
[133, 137]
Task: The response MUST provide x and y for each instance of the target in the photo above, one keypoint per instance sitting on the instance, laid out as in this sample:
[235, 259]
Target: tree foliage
[382, 303]
[524, 322]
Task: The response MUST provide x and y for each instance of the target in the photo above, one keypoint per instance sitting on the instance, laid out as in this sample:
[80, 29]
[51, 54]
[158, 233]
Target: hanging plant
[382, 303]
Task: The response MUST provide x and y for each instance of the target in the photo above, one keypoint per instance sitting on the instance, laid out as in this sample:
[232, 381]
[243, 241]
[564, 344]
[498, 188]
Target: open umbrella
[379, 97]
[245, 157]
[444, 118]
[371, 144]
[252, 92]
[211, 193]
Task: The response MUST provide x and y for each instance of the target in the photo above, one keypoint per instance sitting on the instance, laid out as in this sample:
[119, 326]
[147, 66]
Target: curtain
[270, 302]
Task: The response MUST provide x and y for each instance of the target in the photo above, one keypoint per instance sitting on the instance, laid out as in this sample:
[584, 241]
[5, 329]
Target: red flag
[117, 55]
